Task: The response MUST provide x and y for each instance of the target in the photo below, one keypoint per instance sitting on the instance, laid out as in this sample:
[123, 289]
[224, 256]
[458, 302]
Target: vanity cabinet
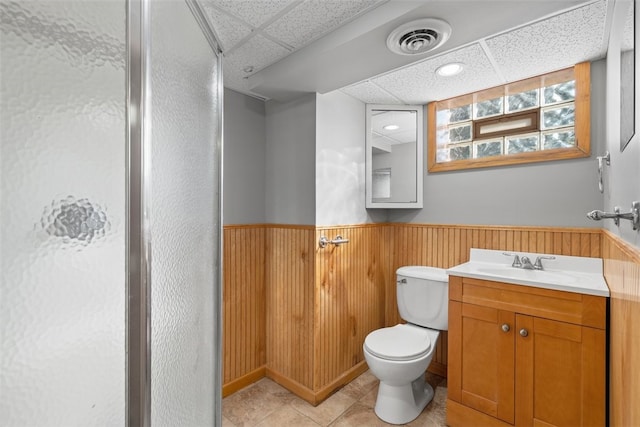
[525, 356]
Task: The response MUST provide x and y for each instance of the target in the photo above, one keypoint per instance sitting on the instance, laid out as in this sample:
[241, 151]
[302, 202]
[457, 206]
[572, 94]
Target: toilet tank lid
[423, 272]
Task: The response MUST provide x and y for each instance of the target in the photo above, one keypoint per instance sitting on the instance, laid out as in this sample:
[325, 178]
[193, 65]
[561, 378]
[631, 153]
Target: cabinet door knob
[524, 332]
[505, 327]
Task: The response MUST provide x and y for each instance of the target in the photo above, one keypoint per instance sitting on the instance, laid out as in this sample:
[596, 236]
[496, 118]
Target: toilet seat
[400, 342]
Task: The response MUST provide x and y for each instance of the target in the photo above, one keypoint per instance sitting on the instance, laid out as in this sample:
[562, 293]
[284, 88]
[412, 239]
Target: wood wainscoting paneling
[622, 272]
[349, 296]
[290, 306]
[244, 314]
[299, 314]
[445, 246]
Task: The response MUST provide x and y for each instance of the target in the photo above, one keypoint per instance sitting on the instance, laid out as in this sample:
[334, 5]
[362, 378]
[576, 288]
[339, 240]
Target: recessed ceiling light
[448, 70]
[391, 127]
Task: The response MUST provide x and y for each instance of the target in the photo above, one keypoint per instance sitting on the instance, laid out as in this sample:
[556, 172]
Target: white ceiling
[279, 49]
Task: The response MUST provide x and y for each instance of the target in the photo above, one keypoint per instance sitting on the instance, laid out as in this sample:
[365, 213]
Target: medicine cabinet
[394, 156]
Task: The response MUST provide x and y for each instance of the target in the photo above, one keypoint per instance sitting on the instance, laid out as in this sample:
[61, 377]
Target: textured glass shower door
[185, 221]
[62, 213]
[66, 224]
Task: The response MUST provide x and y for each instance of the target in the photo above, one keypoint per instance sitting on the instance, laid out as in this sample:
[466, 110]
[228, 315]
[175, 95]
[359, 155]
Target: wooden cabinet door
[560, 373]
[481, 359]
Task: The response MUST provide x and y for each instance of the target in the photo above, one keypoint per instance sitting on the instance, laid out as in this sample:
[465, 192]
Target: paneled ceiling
[279, 49]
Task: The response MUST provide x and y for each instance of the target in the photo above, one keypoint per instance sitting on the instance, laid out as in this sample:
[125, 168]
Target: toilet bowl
[399, 355]
[400, 365]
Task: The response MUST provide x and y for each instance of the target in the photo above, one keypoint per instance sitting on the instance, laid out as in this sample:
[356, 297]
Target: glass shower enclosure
[110, 214]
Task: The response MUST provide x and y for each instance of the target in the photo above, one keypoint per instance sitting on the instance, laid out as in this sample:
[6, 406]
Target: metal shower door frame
[138, 243]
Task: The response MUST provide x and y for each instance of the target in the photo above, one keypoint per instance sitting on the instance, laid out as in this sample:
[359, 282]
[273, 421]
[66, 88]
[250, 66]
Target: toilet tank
[423, 296]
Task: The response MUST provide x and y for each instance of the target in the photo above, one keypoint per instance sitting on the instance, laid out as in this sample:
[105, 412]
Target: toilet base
[402, 404]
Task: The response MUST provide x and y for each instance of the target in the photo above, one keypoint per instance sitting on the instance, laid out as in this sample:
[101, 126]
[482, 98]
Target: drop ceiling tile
[314, 18]
[569, 38]
[370, 93]
[239, 84]
[419, 84]
[255, 12]
[258, 52]
[228, 29]
[233, 80]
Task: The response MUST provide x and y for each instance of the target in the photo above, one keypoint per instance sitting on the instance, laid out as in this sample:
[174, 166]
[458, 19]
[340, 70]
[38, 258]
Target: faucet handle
[516, 259]
[538, 264]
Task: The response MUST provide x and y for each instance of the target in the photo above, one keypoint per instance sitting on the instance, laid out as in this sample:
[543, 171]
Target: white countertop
[564, 273]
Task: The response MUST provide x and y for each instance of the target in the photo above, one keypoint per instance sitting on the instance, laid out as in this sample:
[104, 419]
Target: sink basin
[542, 276]
[565, 273]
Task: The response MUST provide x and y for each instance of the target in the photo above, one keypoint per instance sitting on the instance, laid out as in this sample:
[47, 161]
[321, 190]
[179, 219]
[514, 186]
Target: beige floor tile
[266, 403]
[434, 414]
[327, 411]
[439, 405]
[359, 415]
[369, 399]
[361, 385]
[251, 405]
[227, 423]
[275, 389]
[287, 416]
[425, 419]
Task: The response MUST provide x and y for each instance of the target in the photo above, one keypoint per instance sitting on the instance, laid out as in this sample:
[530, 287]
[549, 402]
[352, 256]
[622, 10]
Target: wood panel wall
[244, 311]
[290, 306]
[622, 272]
[303, 321]
[445, 246]
[349, 298]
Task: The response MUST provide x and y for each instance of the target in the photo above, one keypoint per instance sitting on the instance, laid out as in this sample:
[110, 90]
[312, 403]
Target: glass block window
[460, 133]
[460, 152]
[558, 139]
[522, 143]
[488, 147]
[489, 108]
[460, 114]
[561, 92]
[514, 123]
[556, 117]
[523, 101]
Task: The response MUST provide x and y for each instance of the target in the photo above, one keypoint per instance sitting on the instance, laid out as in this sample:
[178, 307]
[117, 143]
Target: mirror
[394, 152]
[627, 77]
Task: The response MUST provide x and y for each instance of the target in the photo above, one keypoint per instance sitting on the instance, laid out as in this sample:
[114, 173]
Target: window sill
[513, 159]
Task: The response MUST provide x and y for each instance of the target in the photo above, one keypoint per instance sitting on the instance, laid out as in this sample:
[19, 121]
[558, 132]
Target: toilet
[399, 355]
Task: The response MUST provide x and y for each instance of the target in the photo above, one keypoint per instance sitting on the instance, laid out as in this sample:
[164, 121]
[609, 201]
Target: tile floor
[266, 403]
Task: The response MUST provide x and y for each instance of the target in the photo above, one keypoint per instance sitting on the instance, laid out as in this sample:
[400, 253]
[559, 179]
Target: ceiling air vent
[419, 36]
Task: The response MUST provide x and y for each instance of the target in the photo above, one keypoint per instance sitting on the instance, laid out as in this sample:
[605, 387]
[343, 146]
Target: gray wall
[244, 152]
[290, 158]
[622, 178]
[312, 166]
[557, 193]
[340, 157]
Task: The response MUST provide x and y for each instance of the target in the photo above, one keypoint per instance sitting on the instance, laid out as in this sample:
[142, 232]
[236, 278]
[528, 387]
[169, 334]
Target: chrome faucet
[516, 259]
[538, 264]
[525, 263]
